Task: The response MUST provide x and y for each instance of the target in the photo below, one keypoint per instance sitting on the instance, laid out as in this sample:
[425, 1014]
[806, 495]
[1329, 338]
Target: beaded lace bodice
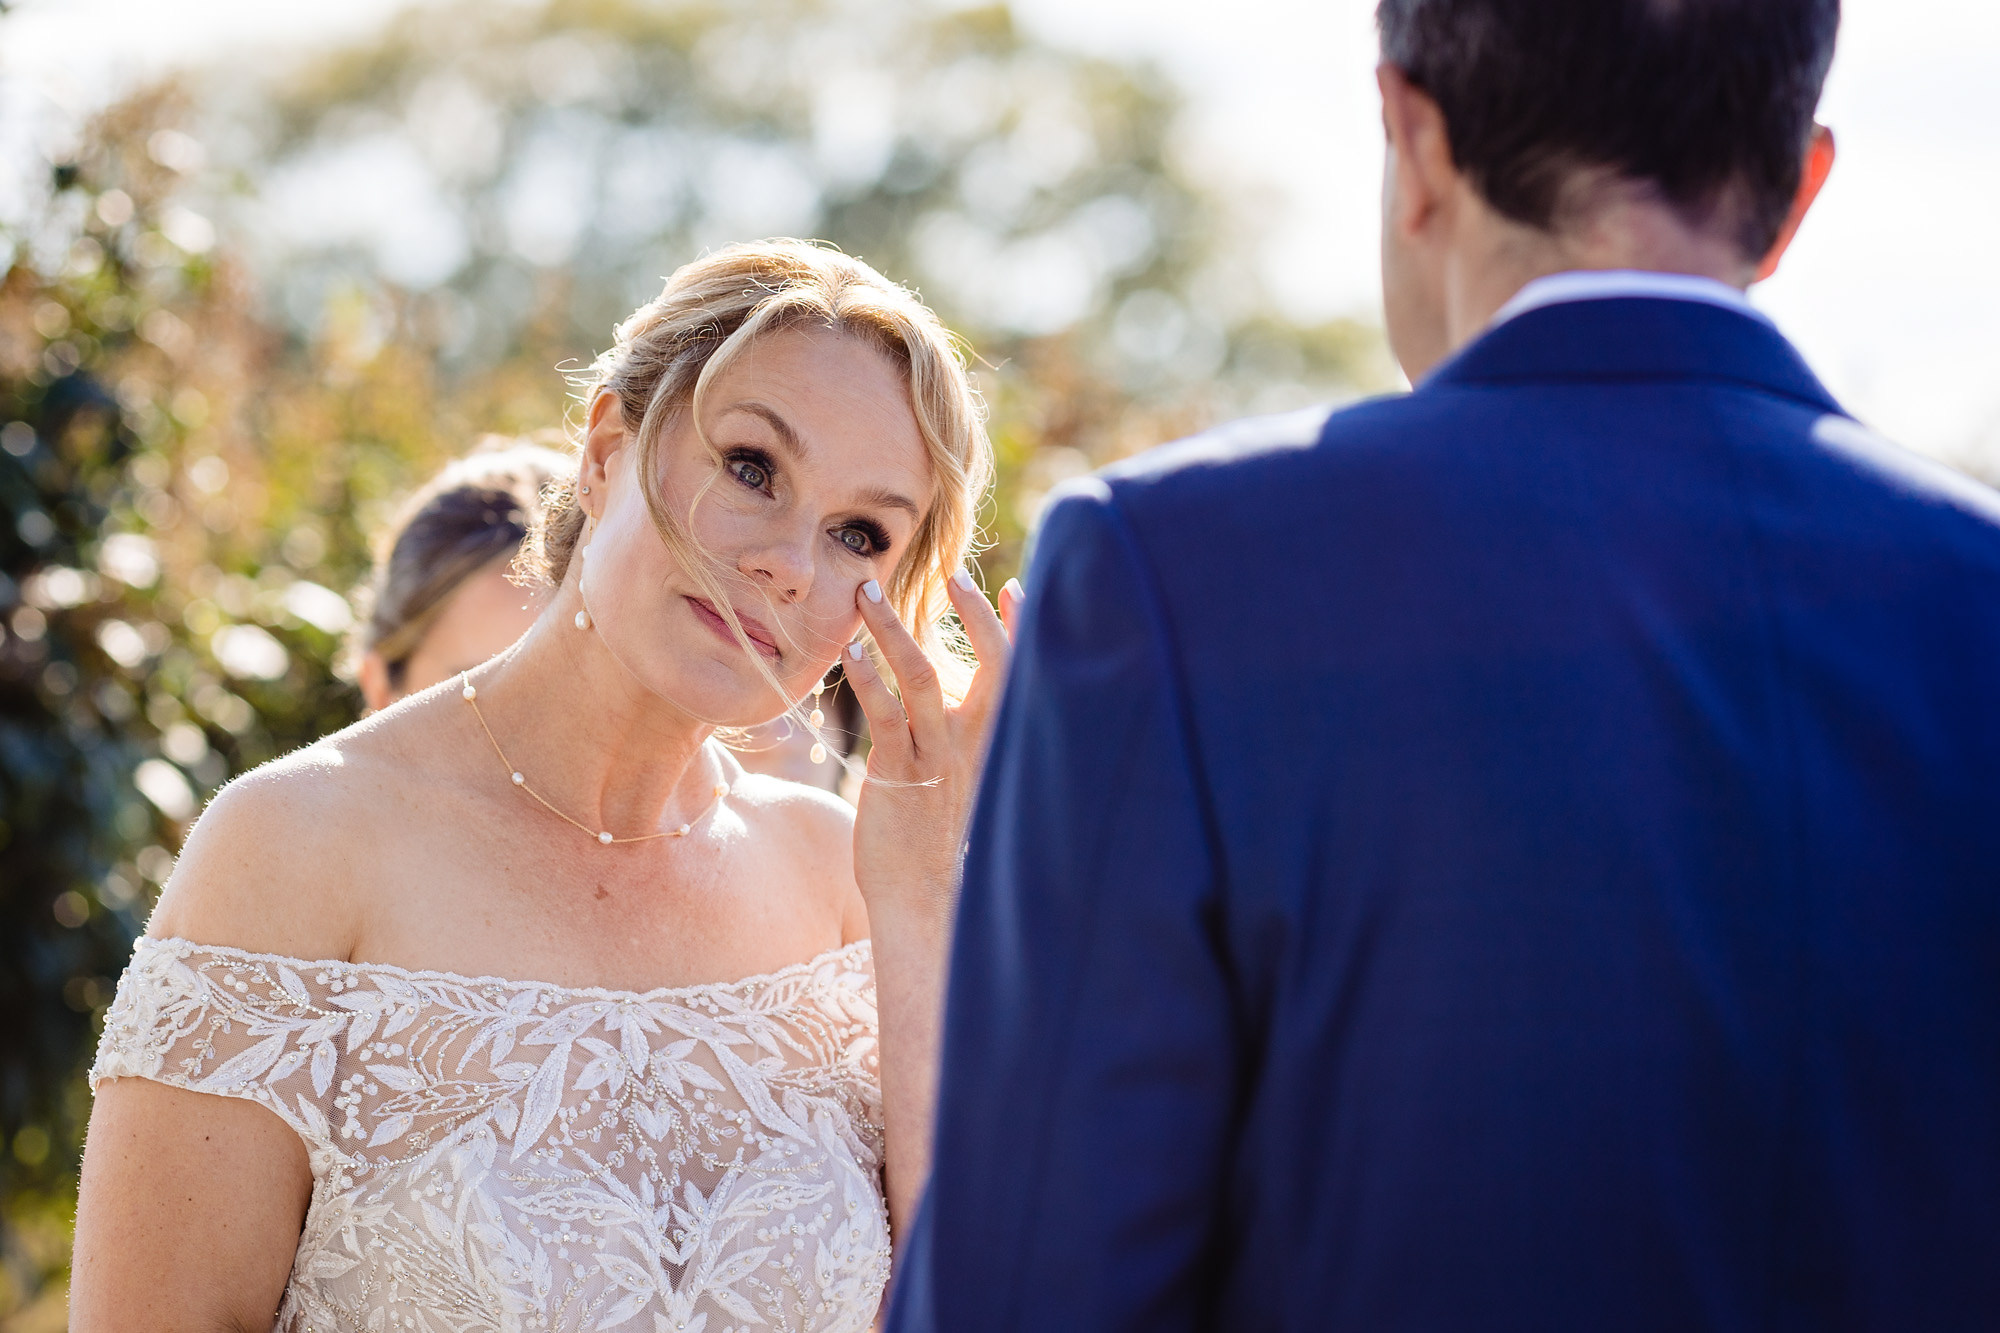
[518, 1156]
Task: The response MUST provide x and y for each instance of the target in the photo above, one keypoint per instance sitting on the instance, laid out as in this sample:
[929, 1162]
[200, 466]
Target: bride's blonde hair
[665, 357]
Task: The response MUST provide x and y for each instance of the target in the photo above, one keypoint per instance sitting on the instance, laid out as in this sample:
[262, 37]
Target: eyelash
[753, 458]
[877, 535]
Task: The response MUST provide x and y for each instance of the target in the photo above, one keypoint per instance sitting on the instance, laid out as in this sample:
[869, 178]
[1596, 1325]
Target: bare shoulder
[280, 860]
[818, 820]
[817, 829]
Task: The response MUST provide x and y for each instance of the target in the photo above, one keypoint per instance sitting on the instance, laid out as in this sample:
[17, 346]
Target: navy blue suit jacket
[1524, 855]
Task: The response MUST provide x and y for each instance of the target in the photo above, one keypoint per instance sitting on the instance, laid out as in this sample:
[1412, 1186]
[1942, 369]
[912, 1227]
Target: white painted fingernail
[872, 590]
[963, 579]
[856, 651]
[1014, 586]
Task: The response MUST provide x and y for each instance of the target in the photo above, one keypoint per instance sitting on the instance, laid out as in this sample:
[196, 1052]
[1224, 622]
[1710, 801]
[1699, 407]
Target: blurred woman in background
[442, 600]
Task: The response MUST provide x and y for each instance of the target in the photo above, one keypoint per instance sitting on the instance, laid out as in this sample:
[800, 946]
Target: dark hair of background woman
[477, 511]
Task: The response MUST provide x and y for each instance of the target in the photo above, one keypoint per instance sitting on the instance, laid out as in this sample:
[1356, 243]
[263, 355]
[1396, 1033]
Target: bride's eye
[864, 539]
[751, 471]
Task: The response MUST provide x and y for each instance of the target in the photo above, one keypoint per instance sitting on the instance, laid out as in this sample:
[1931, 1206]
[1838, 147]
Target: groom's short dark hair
[1711, 101]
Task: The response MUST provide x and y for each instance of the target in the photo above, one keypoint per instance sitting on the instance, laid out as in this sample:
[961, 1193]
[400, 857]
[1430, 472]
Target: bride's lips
[705, 612]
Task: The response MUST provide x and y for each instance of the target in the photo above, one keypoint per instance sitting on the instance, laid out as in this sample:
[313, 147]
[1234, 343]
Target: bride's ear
[603, 436]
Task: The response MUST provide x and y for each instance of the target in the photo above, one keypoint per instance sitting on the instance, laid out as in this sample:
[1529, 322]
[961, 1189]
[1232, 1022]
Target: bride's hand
[923, 765]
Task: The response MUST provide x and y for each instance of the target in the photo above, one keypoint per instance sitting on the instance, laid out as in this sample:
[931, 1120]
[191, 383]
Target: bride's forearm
[909, 833]
[910, 945]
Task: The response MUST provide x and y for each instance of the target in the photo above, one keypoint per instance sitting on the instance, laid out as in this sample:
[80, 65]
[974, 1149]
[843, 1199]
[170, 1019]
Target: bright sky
[1892, 290]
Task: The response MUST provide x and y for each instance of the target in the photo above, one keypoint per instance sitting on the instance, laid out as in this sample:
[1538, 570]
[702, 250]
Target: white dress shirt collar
[1605, 284]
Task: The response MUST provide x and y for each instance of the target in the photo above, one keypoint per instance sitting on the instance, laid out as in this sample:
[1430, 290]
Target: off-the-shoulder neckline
[185, 946]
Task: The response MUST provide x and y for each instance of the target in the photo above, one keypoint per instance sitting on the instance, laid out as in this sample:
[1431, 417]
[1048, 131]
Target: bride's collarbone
[390, 845]
[460, 882]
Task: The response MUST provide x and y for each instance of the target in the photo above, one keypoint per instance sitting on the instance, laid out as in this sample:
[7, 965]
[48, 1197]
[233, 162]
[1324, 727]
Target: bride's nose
[783, 568]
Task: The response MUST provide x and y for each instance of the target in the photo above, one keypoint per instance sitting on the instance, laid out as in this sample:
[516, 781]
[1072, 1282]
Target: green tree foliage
[244, 314]
[501, 184]
[156, 636]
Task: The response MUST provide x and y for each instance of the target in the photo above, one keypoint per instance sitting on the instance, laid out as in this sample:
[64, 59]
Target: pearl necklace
[471, 696]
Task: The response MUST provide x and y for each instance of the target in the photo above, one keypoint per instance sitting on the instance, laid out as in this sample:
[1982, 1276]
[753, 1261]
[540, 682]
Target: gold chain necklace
[471, 696]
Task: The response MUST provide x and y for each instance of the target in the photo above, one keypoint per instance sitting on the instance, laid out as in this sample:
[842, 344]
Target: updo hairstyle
[478, 510]
[668, 353]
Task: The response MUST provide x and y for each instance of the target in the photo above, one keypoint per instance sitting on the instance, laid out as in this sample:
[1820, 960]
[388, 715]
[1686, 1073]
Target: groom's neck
[1495, 256]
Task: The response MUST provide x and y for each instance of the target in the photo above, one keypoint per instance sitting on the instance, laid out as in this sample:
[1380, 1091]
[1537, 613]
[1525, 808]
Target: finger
[888, 725]
[983, 628]
[916, 676]
[987, 634]
[1012, 598]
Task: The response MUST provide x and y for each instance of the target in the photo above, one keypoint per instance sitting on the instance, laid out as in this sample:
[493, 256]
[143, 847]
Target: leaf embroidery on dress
[492, 1153]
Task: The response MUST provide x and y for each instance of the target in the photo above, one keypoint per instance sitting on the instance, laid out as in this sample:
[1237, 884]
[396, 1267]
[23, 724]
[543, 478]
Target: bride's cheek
[817, 625]
[841, 627]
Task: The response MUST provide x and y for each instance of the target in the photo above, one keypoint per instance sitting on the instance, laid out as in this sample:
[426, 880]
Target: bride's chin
[718, 696]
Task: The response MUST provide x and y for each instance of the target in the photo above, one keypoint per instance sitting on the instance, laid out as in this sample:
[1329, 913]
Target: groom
[1522, 855]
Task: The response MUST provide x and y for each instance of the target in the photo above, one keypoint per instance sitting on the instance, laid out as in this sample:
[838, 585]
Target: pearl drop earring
[583, 553]
[818, 719]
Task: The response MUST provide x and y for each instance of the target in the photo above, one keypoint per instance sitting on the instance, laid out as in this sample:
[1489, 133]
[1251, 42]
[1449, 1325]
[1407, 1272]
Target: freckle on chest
[602, 893]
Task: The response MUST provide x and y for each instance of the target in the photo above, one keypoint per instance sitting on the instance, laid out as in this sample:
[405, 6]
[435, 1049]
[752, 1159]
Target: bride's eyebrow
[795, 445]
[887, 499]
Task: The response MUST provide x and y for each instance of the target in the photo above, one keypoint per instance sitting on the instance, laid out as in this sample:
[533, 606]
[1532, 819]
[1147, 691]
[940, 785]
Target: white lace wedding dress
[516, 1156]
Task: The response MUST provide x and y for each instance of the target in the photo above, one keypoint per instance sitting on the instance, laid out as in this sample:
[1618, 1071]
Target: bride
[520, 1005]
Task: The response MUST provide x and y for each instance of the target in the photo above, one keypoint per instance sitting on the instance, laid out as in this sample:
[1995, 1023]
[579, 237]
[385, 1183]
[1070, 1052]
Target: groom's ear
[1422, 176]
[1812, 178]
